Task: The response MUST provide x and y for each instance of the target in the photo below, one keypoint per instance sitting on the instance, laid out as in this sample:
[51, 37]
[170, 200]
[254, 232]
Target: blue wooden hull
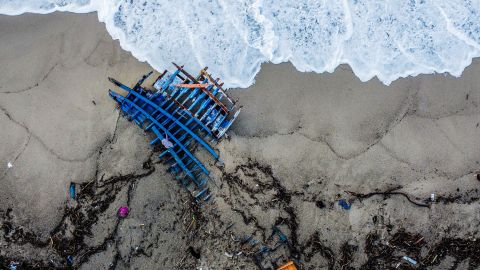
[181, 112]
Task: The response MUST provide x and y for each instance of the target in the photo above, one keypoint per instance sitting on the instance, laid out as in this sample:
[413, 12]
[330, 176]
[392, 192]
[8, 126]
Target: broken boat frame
[181, 111]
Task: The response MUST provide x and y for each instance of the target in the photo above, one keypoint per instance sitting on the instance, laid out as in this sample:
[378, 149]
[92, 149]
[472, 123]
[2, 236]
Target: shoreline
[301, 143]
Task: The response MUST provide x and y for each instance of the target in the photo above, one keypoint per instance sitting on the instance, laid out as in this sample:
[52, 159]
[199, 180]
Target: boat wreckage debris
[181, 112]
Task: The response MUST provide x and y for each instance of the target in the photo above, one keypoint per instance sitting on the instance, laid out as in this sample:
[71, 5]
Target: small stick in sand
[419, 240]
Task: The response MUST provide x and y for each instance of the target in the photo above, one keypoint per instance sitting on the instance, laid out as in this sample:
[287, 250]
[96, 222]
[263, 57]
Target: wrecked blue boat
[181, 112]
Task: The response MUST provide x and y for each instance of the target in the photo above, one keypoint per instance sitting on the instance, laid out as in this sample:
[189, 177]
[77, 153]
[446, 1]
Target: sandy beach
[303, 142]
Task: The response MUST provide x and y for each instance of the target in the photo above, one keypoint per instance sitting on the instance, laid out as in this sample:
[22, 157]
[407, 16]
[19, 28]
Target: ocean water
[388, 39]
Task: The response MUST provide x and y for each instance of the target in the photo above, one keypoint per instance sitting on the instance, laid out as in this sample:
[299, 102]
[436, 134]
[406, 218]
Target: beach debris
[229, 226]
[344, 204]
[228, 255]
[191, 224]
[13, 265]
[250, 240]
[282, 238]
[432, 197]
[72, 191]
[278, 237]
[93, 102]
[9, 165]
[262, 250]
[166, 143]
[195, 253]
[419, 240]
[320, 204]
[69, 260]
[288, 266]
[123, 211]
[410, 260]
[478, 176]
[182, 112]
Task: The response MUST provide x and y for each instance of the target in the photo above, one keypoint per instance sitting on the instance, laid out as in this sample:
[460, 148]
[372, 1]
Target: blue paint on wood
[179, 118]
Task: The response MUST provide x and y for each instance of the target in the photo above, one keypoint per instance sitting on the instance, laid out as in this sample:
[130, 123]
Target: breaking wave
[388, 39]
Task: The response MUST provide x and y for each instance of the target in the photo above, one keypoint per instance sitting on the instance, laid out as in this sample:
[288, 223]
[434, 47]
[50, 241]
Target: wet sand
[303, 142]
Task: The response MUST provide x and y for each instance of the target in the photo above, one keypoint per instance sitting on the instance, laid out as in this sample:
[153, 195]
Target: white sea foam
[388, 39]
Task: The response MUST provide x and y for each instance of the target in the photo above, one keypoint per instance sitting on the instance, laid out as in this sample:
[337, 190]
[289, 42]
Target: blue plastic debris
[277, 236]
[13, 265]
[410, 260]
[344, 204]
[282, 238]
[181, 112]
[263, 250]
[72, 190]
[69, 260]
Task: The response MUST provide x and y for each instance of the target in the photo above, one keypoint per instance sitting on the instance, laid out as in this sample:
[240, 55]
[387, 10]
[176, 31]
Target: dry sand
[302, 142]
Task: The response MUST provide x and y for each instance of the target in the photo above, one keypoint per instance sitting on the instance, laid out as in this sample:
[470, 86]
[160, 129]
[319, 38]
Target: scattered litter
[72, 191]
[262, 250]
[141, 225]
[9, 165]
[13, 265]
[194, 253]
[94, 103]
[230, 226]
[123, 211]
[419, 240]
[69, 260]
[344, 204]
[410, 260]
[320, 204]
[288, 266]
[239, 253]
[228, 255]
[282, 238]
[478, 176]
[432, 197]
[168, 144]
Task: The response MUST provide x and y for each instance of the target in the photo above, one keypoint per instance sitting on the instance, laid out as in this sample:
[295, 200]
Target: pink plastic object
[123, 211]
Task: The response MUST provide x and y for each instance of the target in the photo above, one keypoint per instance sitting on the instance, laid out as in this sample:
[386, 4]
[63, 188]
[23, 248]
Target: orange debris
[194, 85]
[288, 266]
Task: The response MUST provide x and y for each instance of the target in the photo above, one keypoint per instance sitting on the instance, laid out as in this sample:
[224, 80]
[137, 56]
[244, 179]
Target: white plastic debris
[167, 143]
[228, 255]
[410, 260]
[9, 165]
[432, 197]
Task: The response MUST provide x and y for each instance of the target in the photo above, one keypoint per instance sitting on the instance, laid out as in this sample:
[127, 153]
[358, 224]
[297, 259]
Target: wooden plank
[219, 86]
[215, 99]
